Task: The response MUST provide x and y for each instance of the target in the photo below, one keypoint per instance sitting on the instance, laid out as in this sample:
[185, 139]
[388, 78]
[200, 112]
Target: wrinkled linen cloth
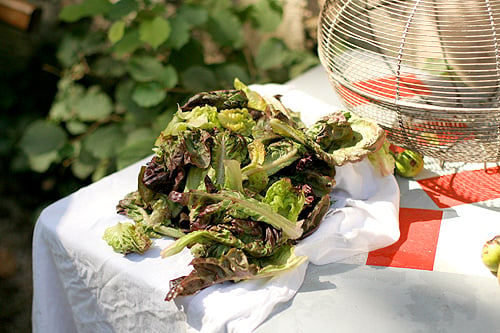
[81, 285]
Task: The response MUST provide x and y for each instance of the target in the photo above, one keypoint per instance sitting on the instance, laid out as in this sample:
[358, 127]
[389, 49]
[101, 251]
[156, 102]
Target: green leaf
[83, 155]
[106, 66]
[266, 15]
[82, 170]
[134, 113]
[271, 54]
[168, 77]
[228, 72]
[59, 110]
[180, 34]
[76, 127]
[101, 170]
[192, 14]
[154, 32]
[41, 163]
[93, 43]
[162, 120]
[122, 8]
[72, 49]
[300, 61]
[142, 134]
[137, 145]
[73, 13]
[189, 55]
[198, 78]
[148, 94]
[144, 69]
[96, 7]
[104, 142]
[67, 51]
[217, 5]
[95, 105]
[128, 44]
[226, 29]
[116, 31]
[41, 138]
[67, 97]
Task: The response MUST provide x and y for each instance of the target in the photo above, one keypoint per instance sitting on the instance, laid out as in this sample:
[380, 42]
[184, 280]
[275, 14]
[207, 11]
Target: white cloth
[81, 285]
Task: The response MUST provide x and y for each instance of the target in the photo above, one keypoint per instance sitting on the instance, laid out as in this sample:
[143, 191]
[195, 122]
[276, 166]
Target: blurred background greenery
[86, 88]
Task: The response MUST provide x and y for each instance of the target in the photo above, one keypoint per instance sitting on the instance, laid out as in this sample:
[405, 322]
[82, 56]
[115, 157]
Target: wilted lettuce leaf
[315, 173]
[174, 155]
[273, 158]
[366, 137]
[331, 131]
[383, 160]
[223, 99]
[316, 215]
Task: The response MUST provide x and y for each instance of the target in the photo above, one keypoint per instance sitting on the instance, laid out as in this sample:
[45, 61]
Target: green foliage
[126, 65]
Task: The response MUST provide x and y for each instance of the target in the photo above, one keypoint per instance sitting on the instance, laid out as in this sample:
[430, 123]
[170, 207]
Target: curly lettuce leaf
[202, 117]
[285, 199]
[127, 237]
[239, 121]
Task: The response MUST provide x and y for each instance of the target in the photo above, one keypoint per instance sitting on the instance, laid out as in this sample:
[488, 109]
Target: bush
[124, 67]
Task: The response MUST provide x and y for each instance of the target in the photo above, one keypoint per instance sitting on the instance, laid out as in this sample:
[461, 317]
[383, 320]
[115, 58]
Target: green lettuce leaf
[285, 199]
[239, 121]
[126, 238]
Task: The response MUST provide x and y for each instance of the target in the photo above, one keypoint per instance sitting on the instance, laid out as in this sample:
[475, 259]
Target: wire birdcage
[428, 71]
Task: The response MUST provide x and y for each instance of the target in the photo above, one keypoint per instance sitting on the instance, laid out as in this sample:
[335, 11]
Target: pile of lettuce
[238, 179]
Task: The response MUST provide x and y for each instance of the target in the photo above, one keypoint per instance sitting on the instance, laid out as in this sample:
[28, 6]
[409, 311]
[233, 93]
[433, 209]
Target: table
[431, 279]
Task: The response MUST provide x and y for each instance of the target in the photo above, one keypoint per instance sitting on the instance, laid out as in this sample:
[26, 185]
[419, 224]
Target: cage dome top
[427, 71]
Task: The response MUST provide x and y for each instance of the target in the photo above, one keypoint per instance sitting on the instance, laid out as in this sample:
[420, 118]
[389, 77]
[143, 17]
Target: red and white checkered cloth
[446, 216]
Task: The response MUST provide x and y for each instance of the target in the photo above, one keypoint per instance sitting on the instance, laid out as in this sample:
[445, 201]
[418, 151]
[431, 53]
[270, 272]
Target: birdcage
[427, 71]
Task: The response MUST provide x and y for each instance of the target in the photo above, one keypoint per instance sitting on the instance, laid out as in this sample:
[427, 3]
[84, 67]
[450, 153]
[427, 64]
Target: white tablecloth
[81, 285]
